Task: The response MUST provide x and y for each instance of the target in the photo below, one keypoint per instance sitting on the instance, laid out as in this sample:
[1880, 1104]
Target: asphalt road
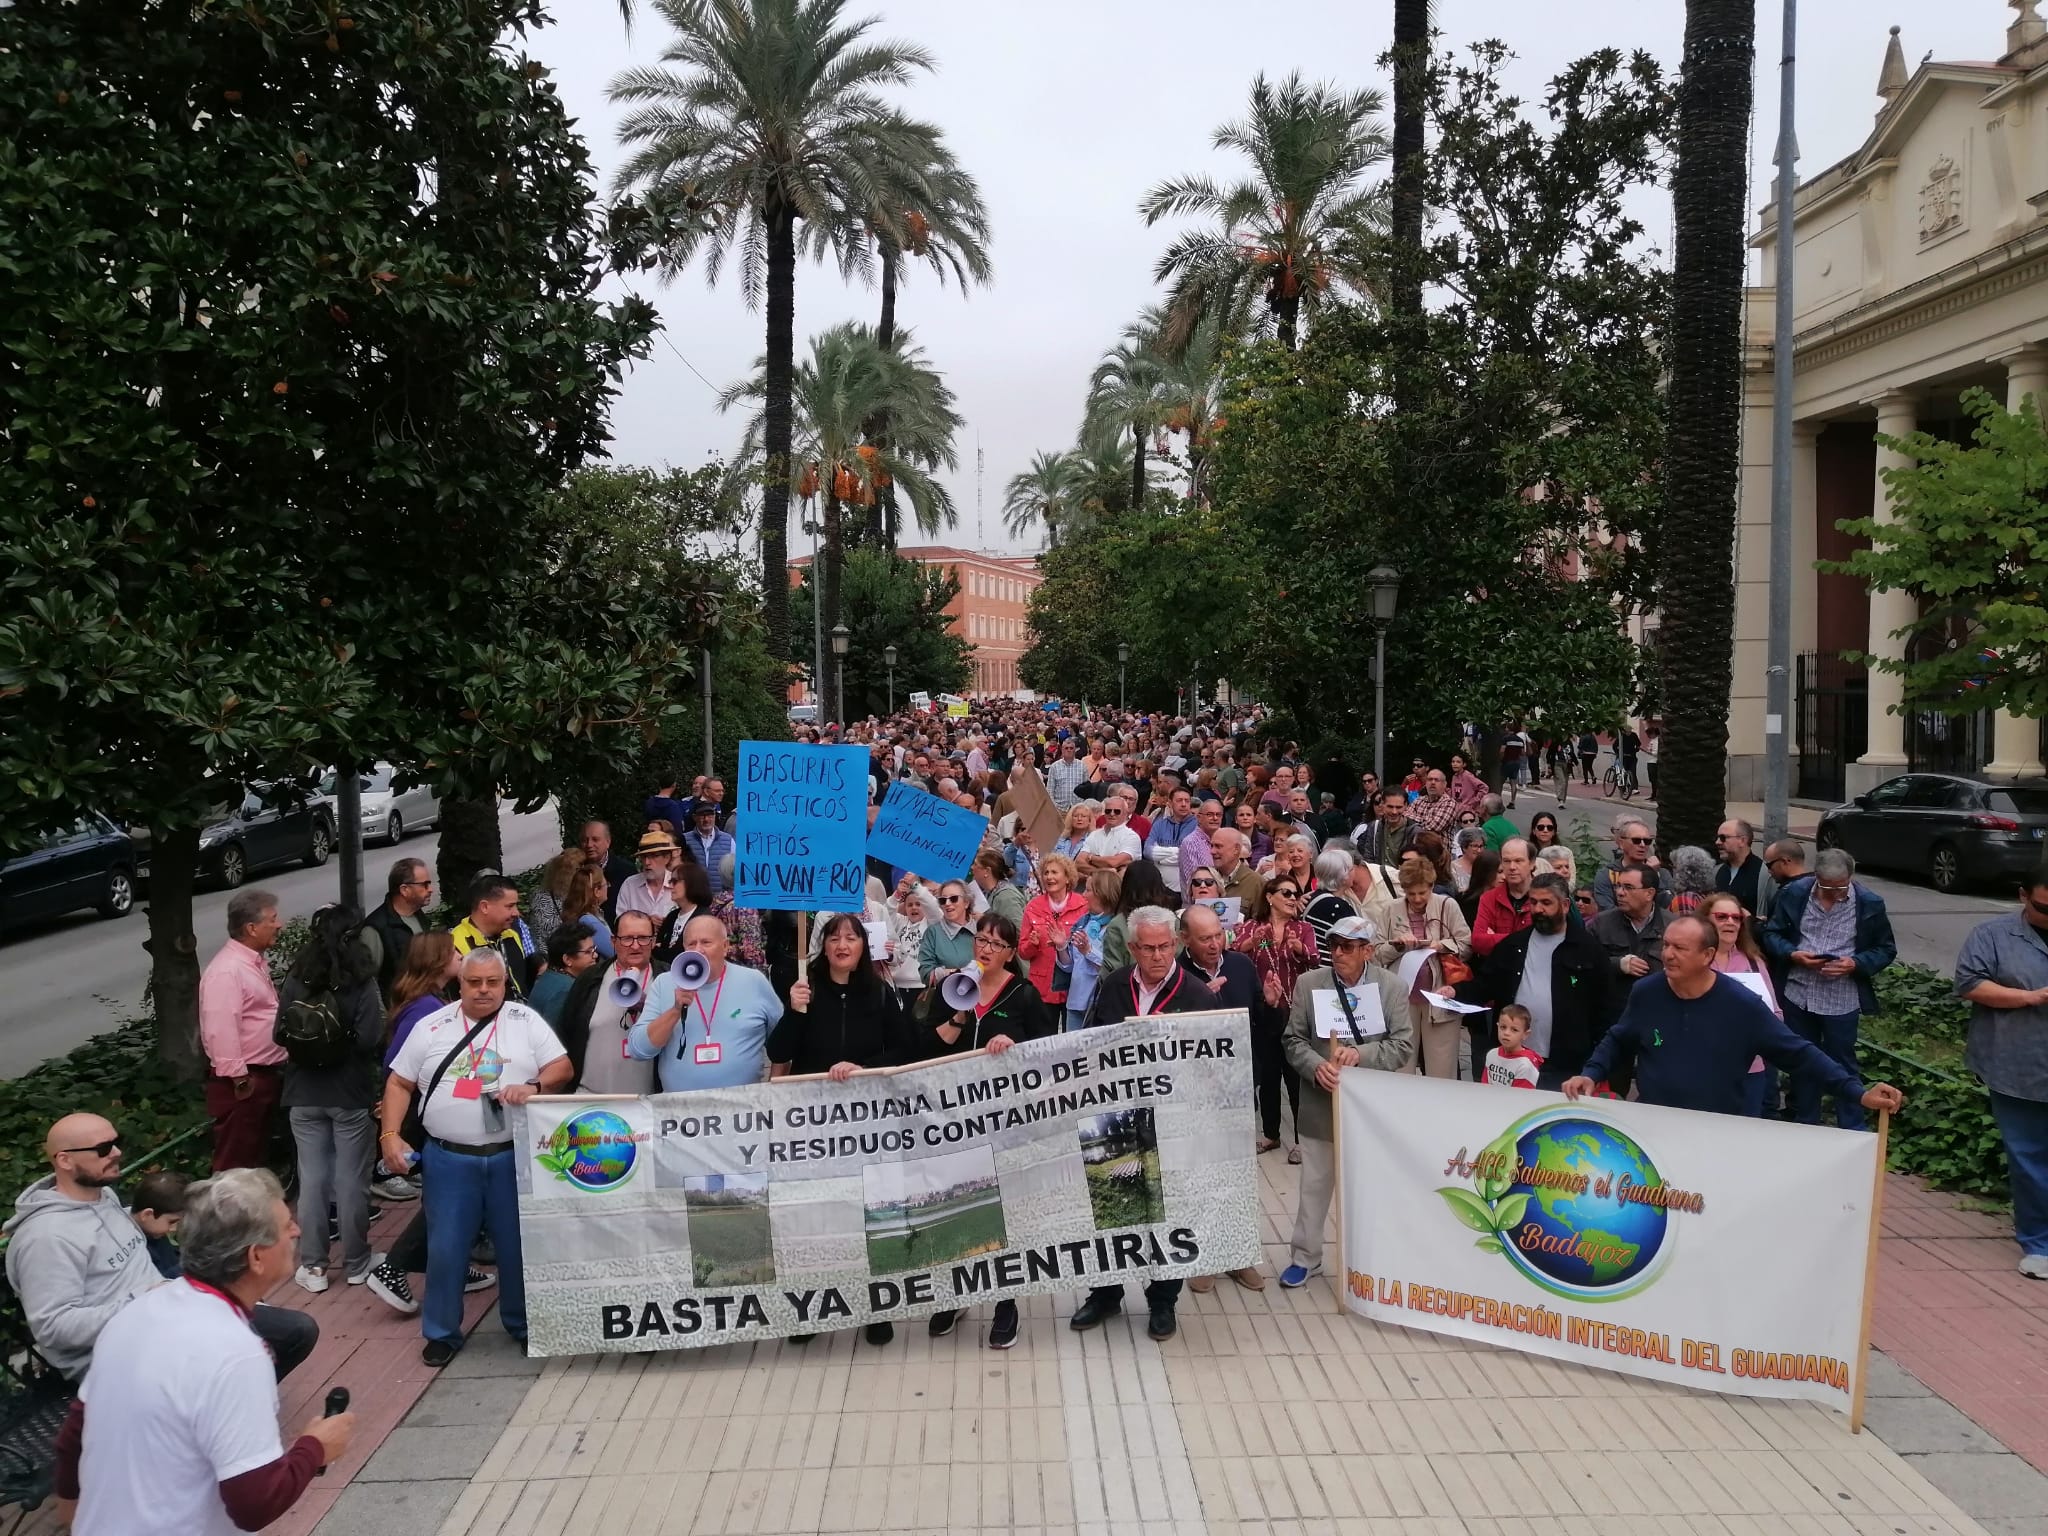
[1929, 926]
[67, 980]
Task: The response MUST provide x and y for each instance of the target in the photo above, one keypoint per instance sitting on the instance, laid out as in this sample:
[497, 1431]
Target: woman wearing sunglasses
[1006, 1009]
[1049, 919]
[1543, 831]
[1282, 949]
[1737, 953]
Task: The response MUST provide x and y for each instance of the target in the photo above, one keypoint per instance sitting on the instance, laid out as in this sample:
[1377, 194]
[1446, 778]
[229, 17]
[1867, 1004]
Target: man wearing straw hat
[653, 890]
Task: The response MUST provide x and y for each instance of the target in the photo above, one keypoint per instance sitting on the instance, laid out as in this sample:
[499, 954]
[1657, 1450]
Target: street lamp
[1123, 657]
[1385, 583]
[889, 661]
[841, 638]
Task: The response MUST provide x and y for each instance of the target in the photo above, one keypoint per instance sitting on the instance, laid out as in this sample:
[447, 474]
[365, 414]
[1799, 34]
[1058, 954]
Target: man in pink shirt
[237, 1014]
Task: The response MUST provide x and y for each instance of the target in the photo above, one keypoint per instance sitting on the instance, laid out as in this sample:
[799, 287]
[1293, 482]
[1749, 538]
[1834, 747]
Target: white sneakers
[2035, 1266]
[310, 1279]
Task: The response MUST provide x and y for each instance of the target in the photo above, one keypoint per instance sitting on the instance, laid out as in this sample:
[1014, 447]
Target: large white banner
[1709, 1250]
[1121, 1154]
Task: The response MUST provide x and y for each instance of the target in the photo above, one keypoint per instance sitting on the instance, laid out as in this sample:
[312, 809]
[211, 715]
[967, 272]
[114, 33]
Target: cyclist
[1627, 745]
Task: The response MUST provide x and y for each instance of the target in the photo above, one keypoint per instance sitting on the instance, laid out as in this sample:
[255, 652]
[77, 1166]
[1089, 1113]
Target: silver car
[388, 812]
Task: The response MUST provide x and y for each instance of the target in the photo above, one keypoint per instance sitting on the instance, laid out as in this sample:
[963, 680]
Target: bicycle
[1615, 782]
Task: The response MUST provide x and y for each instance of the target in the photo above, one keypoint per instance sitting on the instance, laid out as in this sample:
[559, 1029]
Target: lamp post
[841, 638]
[889, 661]
[1385, 583]
[1123, 657]
[708, 768]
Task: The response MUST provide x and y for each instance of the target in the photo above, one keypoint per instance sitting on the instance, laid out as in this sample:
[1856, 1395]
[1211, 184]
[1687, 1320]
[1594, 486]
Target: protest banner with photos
[917, 831]
[801, 829]
[1119, 1154]
[1714, 1251]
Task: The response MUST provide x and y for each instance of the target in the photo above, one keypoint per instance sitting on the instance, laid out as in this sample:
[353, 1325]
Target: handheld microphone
[335, 1407]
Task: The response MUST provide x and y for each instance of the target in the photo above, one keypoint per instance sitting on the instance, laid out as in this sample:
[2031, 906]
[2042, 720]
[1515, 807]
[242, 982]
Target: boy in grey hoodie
[75, 1256]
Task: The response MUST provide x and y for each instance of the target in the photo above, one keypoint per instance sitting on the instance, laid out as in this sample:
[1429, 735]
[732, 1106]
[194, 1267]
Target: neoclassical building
[1921, 271]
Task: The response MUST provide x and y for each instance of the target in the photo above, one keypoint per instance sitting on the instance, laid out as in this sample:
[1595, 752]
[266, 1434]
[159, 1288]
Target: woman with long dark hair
[1543, 831]
[1143, 886]
[328, 1006]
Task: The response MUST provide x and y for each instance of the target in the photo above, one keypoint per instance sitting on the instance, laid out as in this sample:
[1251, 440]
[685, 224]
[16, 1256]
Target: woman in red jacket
[1048, 918]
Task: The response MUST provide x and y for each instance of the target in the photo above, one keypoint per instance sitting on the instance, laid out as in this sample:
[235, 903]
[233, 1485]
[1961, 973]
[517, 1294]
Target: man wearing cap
[1364, 1024]
[652, 890]
[710, 845]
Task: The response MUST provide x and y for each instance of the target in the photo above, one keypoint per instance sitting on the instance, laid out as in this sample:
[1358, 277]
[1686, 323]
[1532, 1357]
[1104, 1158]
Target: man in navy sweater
[1693, 1032]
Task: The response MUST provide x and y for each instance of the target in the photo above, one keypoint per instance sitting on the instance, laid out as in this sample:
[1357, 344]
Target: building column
[2016, 742]
[1805, 540]
[1885, 748]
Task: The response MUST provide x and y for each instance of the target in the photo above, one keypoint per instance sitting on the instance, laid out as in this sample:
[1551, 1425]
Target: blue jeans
[1074, 1020]
[1760, 1094]
[2023, 1123]
[462, 1196]
[1834, 1033]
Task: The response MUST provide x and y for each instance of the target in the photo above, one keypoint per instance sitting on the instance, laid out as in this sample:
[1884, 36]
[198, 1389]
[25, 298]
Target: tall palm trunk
[832, 562]
[1696, 586]
[1288, 311]
[776, 433]
[881, 518]
[1411, 62]
[1137, 466]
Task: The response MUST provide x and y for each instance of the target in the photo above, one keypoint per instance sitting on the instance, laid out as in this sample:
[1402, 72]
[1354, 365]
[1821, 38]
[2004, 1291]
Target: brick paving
[1270, 1415]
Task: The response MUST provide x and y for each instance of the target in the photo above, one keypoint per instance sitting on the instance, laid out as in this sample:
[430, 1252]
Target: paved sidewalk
[1269, 1415]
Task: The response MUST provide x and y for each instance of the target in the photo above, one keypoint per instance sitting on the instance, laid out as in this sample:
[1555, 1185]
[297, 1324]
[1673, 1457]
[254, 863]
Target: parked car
[271, 824]
[90, 863]
[389, 812]
[1956, 831]
[803, 714]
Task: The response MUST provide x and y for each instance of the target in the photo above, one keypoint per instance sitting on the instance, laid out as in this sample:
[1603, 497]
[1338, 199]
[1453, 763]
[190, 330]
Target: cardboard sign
[801, 829]
[1035, 811]
[918, 831]
[1365, 1007]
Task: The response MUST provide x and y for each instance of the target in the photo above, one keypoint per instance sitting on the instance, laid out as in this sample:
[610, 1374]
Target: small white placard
[1754, 983]
[878, 940]
[1365, 1007]
[1230, 909]
[1449, 1003]
[1410, 967]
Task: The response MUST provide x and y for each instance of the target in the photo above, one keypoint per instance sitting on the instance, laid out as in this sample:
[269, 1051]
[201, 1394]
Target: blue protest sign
[923, 834]
[801, 830]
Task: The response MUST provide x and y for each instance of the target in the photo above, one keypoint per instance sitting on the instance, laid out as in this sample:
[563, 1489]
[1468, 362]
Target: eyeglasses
[97, 1149]
[423, 884]
[1640, 842]
[988, 941]
[951, 901]
[633, 938]
[1288, 891]
[1203, 881]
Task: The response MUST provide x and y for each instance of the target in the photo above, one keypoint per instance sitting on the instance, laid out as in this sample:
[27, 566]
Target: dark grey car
[1956, 831]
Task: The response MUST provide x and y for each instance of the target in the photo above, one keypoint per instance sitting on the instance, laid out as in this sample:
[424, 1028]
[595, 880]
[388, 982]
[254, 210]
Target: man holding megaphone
[713, 1034]
[602, 1008]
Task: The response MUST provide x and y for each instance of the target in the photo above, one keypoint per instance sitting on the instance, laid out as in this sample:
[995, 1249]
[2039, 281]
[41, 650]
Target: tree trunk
[174, 951]
[1289, 313]
[470, 844]
[1696, 586]
[885, 330]
[776, 434]
[831, 562]
[1411, 62]
[1137, 467]
[881, 517]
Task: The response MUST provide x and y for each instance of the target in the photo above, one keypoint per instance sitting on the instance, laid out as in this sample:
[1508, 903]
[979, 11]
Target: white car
[388, 813]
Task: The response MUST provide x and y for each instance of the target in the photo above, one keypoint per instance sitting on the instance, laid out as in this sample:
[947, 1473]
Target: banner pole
[1884, 1133]
[1337, 1184]
[803, 945]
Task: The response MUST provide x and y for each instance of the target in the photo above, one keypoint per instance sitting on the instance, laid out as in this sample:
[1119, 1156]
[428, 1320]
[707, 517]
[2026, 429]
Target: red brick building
[988, 612]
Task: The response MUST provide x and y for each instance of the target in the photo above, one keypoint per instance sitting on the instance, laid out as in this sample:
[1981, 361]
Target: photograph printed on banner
[932, 1210]
[731, 1240]
[1120, 1157]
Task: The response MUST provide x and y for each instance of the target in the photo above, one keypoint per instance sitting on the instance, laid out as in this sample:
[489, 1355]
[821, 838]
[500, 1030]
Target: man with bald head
[75, 1257]
[716, 1036]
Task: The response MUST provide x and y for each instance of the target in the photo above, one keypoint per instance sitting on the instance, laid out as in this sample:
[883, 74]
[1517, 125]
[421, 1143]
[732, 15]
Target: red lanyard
[239, 1310]
[1158, 1003]
[698, 998]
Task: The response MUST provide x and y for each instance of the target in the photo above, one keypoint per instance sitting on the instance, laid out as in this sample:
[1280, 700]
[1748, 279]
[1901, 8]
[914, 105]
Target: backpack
[312, 1032]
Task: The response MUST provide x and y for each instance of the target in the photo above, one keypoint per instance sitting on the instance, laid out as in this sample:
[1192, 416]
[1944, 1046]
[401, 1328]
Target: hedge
[1915, 1041]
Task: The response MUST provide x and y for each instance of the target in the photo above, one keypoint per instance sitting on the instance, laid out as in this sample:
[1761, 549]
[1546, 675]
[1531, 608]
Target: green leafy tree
[762, 133]
[300, 335]
[1514, 492]
[1291, 236]
[1696, 589]
[1968, 536]
[892, 601]
[848, 383]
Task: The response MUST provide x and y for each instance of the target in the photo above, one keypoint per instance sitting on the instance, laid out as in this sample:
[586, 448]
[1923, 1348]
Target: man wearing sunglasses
[1634, 848]
[75, 1257]
[389, 930]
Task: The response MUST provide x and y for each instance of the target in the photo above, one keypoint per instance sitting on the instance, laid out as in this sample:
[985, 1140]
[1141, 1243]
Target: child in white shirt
[1508, 1065]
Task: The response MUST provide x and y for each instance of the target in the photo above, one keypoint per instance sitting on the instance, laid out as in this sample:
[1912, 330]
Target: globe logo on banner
[1574, 1203]
[594, 1149]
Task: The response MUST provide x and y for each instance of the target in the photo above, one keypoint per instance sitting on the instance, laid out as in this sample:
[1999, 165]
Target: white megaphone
[691, 970]
[625, 992]
[962, 988]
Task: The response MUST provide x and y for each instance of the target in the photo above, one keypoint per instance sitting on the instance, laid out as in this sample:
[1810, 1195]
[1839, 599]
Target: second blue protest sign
[801, 829]
[925, 835]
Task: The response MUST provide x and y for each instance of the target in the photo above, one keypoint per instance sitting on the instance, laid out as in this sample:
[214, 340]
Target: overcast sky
[1067, 111]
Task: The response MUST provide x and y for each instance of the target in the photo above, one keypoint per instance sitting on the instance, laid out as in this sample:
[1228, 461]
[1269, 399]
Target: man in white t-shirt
[472, 1059]
[1113, 845]
[174, 1432]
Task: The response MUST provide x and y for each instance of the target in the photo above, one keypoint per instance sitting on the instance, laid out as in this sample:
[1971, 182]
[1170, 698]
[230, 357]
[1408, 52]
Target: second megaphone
[626, 992]
[691, 970]
[961, 988]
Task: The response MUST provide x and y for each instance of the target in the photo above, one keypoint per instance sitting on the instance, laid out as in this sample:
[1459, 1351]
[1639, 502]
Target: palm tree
[1042, 495]
[1411, 64]
[1102, 479]
[1191, 392]
[849, 380]
[763, 125]
[1292, 233]
[1702, 457]
[1124, 394]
